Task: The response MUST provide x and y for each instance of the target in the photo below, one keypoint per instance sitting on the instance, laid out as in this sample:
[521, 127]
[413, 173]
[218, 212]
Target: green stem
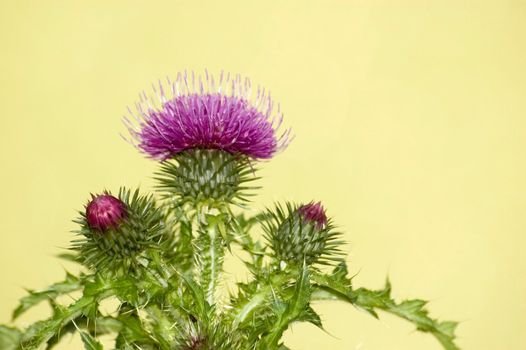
[210, 252]
[214, 253]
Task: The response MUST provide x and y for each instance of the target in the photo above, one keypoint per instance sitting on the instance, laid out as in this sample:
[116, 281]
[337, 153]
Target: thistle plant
[160, 256]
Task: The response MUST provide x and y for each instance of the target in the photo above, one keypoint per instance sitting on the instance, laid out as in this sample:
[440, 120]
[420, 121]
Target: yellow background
[410, 122]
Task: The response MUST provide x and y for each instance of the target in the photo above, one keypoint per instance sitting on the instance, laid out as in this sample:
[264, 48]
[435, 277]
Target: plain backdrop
[410, 122]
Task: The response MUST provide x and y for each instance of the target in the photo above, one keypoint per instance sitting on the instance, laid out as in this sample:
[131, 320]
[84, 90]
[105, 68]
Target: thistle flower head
[315, 213]
[202, 112]
[302, 233]
[104, 212]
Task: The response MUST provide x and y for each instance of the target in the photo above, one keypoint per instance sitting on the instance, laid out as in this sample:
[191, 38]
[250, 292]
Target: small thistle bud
[104, 212]
[302, 233]
[115, 231]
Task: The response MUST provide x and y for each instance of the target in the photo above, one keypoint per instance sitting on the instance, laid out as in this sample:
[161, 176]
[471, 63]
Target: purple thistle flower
[193, 112]
[314, 212]
[105, 211]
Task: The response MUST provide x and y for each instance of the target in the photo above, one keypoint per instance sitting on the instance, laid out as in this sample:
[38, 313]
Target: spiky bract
[206, 176]
[295, 239]
[198, 112]
[120, 247]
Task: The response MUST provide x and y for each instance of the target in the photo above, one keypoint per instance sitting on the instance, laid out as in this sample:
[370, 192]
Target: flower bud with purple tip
[116, 230]
[302, 233]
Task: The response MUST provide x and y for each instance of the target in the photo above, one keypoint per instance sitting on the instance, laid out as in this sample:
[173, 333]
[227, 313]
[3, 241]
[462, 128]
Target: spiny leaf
[94, 291]
[309, 315]
[90, 343]
[300, 299]
[293, 310]
[334, 286]
[40, 332]
[97, 325]
[161, 326]
[199, 296]
[338, 287]
[70, 284]
[134, 333]
[412, 310]
[125, 288]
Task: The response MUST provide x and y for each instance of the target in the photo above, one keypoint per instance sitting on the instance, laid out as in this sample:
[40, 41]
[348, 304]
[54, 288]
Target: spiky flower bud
[302, 233]
[104, 212]
[116, 230]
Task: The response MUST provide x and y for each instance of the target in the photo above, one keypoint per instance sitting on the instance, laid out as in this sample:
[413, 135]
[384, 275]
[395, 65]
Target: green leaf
[125, 288]
[333, 287]
[309, 315]
[90, 343]
[253, 299]
[42, 331]
[411, 310]
[295, 310]
[70, 284]
[337, 286]
[162, 326]
[9, 338]
[198, 296]
[94, 291]
[97, 325]
[300, 299]
[133, 332]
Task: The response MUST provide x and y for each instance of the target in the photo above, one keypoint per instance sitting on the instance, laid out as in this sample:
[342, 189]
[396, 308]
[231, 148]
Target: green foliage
[163, 265]
[70, 284]
[412, 310]
[338, 287]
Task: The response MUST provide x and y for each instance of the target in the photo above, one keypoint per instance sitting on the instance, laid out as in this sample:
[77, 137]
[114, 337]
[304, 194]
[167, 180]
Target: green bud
[300, 234]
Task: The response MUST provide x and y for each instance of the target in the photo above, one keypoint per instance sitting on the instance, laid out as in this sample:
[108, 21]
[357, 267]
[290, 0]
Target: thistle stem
[210, 252]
